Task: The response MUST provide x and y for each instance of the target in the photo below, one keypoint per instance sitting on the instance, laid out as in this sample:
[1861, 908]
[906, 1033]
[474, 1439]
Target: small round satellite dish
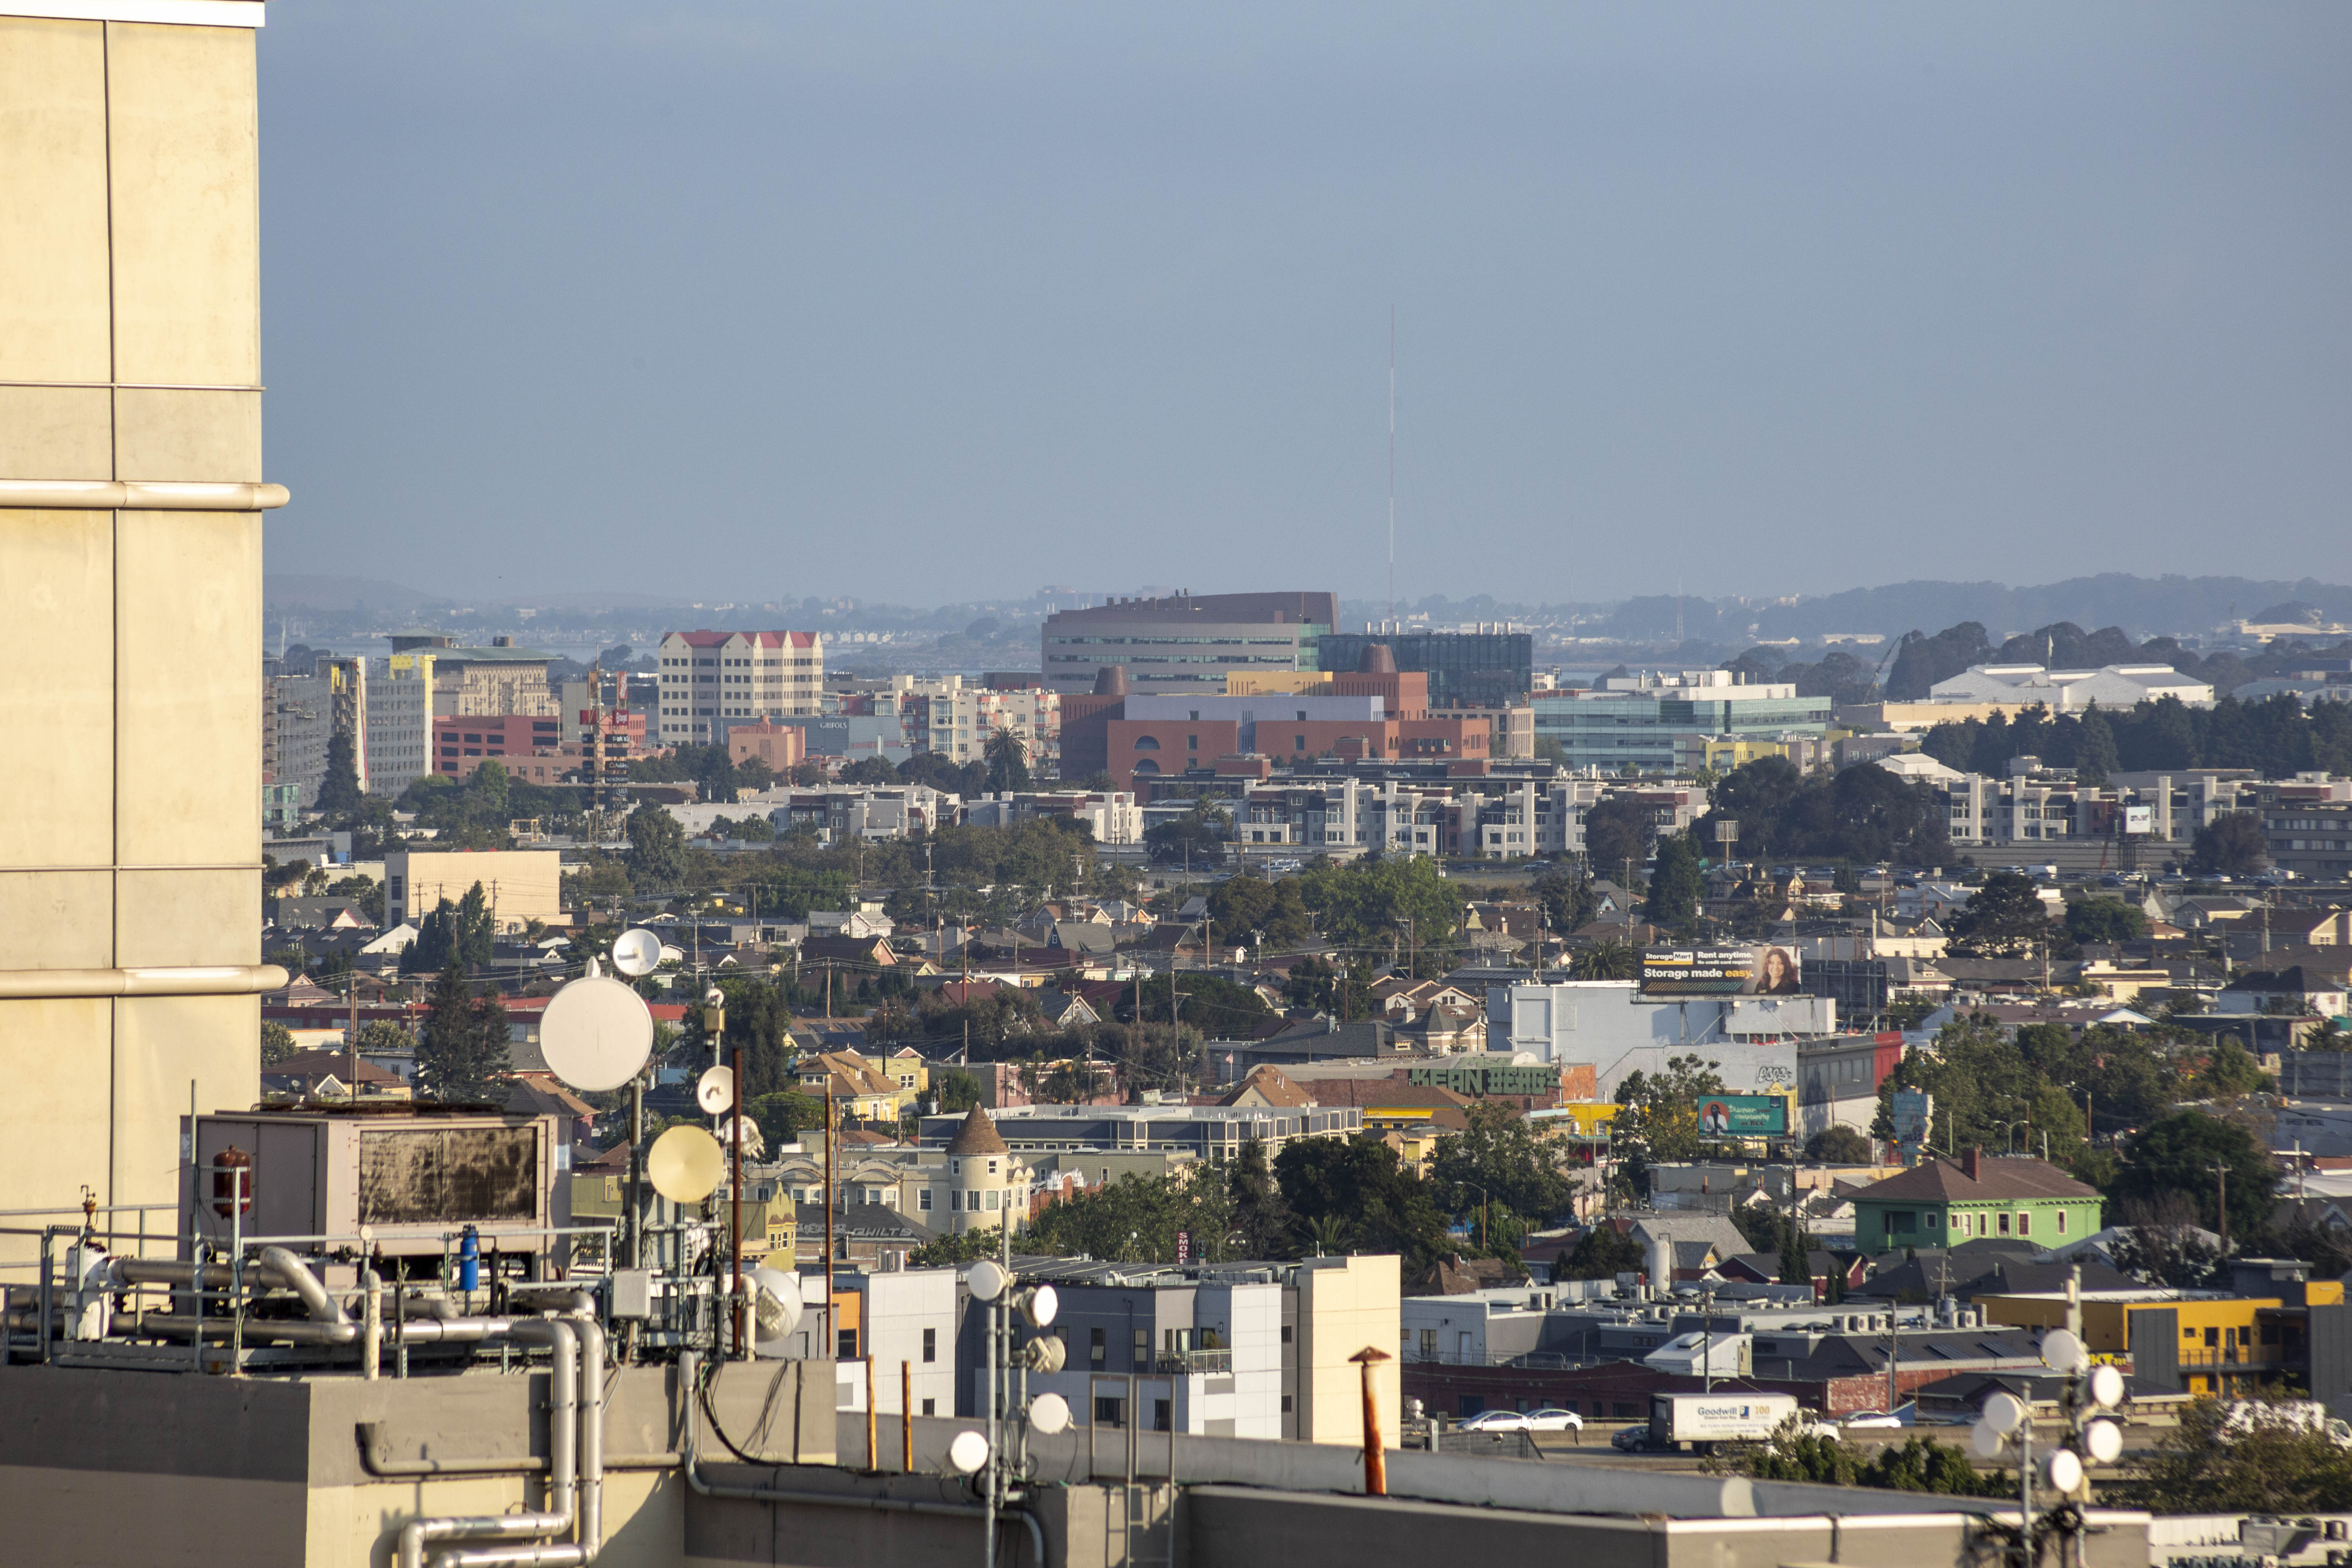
[775, 1309]
[1050, 1413]
[2105, 1439]
[714, 998]
[685, 1163]
[969, 1452]
[2004, 1413]
[636, 951]
[715, 1090]
[731, 1128]
[1042, 1305]
[2062, 1470]
[987, 1281]
[1986, 1440]
[2062, 1351]
[596, 1034]
[2106, 1387]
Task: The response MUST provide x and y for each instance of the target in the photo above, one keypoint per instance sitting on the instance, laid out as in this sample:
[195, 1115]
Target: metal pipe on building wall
[563, 1467]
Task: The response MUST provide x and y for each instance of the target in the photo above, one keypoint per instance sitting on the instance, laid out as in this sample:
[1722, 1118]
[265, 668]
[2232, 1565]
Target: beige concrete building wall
[524, 885]
[130, 350]
[1344, 1307]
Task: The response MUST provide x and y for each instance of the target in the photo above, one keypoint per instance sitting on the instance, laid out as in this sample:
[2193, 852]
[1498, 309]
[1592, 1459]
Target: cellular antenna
[1392, 462]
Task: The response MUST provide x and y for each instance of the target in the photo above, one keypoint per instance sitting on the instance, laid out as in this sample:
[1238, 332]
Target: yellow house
[1413, 1131]
[1585, 1119]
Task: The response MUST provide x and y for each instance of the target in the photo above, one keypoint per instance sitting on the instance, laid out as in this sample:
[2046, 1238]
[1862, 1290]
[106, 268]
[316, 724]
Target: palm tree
[1610, 960]
[1007, 756]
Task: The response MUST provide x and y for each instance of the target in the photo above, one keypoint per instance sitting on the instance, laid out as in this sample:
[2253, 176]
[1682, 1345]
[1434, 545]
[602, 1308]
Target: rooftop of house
[1975, 1179]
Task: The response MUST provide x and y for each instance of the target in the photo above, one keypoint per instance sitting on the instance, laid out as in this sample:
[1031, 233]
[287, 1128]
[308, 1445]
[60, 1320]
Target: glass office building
[1477, 669]
[1632, 724]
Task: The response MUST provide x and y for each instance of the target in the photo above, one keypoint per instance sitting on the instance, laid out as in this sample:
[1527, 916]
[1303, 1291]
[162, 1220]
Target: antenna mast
[1391, 463]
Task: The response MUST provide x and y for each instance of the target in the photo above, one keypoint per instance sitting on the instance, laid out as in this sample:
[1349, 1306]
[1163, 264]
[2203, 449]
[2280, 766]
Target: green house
[1944, 1203]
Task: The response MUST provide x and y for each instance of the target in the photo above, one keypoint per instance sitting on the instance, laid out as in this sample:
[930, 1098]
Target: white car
[1555, 1421]
[1868, 1419]
[1500, 1421]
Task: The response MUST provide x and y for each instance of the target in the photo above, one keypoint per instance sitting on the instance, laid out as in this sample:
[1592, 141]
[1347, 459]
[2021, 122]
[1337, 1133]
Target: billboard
[1669, 974]
[1743, 1116]
[2139, 819]
[1912, 1111]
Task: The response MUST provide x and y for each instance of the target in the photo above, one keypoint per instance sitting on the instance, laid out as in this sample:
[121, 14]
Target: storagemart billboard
[1669, 974]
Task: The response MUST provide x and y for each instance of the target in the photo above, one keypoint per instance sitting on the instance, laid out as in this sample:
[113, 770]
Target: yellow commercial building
[2219, 1344]
[131, 495]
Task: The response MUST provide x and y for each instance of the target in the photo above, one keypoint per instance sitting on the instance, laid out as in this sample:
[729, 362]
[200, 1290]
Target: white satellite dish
[596, 1034]
[636, 951]
[715, 1090]
[2062, 1351]
[775, 1309]
[753, 1144]
[969, 1452]
[986, 1280]
[1050, 1413]
[685, 1163]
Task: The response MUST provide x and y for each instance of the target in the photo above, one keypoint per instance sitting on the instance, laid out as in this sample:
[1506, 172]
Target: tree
[2163, 1245]
[871, 771]
[1608, 959]
[1007, 756]
[1659, 1116]
[2230, 1457]
[1568, 900]
[2004, 919]
[1988, 1094]
[2105, 920]
[381, 1037]
[1372, 1202]
[947, 1250]
[784, 1114]
[1261, 1219]
[1497, 1160]
[657, 848]
[473, 942]
[2094, 748]
[435, 943]
[1839, 1146]
[339, 792]
[1616, 836]
[1601, 1253]
[277, 1044]
[1196, 838]
[1675, 883]
[463, 1054]
[953, 1088]
[2178, 1153]
[2229, 845]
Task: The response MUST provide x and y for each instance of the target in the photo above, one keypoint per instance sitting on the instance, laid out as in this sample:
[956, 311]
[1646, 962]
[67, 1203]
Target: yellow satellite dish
[685, 1163]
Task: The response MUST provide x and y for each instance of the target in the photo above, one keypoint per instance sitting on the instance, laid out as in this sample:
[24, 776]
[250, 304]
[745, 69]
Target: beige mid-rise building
[521, 885]
[711, 681]
[132, 496]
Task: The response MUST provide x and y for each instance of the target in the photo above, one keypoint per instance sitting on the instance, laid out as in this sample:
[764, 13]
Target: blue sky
[934, 302]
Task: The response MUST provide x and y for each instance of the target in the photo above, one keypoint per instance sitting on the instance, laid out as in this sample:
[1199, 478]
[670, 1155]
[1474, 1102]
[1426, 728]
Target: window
[1934, 1219]
[1095, 1352]
[992, 1196]
[2212, 1337]
[1286, 1334]
[848, 1344]
[971, 1203]
[2061, 1222]
[2025, 1224]
[930, 1347]
[1286, 1404]
[1429, 1344]
[930, 1407]
[1146, 743]
[2004, 1224]
[1143, 1350]
[1192, 742]
[923, 1200]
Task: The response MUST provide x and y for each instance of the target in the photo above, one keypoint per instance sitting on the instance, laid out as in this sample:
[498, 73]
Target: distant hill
[2144, 606]
[296, 591]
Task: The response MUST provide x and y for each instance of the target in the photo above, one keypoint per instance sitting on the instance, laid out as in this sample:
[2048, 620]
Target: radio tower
[1392, 463]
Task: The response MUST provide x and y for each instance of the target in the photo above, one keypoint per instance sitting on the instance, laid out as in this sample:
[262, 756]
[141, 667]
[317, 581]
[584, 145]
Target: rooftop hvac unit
[412, 1177]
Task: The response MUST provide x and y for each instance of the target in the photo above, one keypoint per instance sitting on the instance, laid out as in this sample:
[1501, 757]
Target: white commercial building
[708, 680]
[2071, 691]
[397, 701]
[1752, 1039]
[1111, 815]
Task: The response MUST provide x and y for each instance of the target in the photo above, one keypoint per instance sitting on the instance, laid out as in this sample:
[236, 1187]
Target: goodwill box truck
[1705, 1419]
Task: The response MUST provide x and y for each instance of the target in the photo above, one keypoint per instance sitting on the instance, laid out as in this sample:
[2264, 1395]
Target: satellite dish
[1050, 1413]
[2062, 1470]
[1986, 1440]
[968, 1452]
[2105, 1439]
[596, 1034]
[2106, 1387]
[731, 1127]
[636, 951]
[775, 1309]
[2004, 1413]
[685, 1163]
[715, 1090]
[1041, 1307]
[2062, 1351]
[987, 1281]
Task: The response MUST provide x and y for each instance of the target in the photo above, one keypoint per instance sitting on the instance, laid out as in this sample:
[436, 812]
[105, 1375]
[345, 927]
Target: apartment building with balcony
[1642, 722]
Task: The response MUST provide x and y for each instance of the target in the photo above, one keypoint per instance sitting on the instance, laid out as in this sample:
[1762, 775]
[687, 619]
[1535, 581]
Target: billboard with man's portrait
[1671, 974]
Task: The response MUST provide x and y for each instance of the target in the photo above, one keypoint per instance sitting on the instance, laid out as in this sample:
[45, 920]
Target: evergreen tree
[462, 1053]
[437, 939]
[1674, 884]
[657, 848]
[474, 937]
[1259, 1214]
[2094, 748]
[339, 792]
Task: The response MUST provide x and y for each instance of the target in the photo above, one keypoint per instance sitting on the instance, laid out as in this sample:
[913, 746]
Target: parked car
[1869, 1418]
[1555, 1421]
[1500, 1421]
[1634, 1440]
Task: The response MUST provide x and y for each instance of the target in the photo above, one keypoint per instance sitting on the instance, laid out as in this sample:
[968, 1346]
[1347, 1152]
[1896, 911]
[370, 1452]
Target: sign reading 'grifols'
[1674, 972]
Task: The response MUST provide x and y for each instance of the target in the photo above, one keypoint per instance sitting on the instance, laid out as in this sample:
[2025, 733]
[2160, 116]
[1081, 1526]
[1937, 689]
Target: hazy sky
[928, 303]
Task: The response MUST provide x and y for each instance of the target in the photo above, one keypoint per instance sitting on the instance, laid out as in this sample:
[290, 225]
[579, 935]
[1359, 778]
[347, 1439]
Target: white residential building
[398, 727]
[2071, 691]
[1113, 815]
[963, 718]
[710, 679]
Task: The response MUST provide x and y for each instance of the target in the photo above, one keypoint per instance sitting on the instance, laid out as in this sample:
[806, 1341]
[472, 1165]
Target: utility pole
[2222, 1203]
